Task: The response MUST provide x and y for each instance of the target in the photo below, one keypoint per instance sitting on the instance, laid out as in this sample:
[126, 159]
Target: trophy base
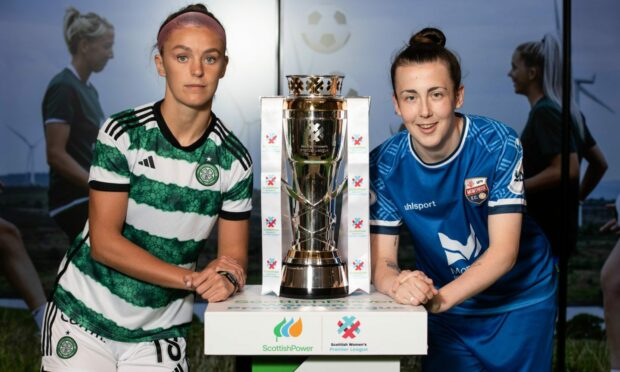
[313, 275]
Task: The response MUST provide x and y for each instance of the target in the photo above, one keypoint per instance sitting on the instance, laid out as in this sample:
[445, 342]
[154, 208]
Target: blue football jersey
[446, 206]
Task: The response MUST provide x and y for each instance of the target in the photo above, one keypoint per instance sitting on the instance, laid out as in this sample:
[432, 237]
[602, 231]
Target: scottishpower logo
[349, 327]
[288, 328]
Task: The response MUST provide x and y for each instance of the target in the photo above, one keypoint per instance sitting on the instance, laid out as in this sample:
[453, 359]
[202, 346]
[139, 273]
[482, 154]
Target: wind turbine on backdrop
[579, 82]
[31, 147]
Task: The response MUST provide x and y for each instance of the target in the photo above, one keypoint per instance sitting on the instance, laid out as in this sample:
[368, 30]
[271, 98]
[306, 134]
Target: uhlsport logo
[358, 264]
[271, 138]
[271, 263]
[270, 222]
[357, 223]
[66, 347]
[460, 256]
[349, 327]
[207, 174]
[288, 328]
[476, 189]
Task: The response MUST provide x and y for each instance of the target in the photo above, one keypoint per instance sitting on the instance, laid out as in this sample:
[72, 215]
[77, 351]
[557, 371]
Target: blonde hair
[77, 27]
[546, 57]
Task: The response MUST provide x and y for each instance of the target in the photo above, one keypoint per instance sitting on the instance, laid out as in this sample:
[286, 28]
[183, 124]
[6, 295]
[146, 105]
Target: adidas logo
[148, 162]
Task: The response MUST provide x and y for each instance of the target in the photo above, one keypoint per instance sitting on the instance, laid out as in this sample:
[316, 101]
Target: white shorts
[67, 346]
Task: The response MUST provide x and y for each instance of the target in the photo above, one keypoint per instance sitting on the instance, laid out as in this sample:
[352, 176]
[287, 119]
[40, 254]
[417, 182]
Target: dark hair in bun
[428, 35]
[428, 45]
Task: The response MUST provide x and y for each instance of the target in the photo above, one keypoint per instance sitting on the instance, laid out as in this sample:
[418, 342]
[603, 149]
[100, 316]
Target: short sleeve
[237, 191]
[384, 216]
[59, 104]
[547, 126]
[588, 140]
[506, 194]
[109, 170]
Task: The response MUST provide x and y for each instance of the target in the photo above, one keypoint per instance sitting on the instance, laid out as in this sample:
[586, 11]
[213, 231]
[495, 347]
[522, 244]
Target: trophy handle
[292, 193]
[330, 196]
[343, 186]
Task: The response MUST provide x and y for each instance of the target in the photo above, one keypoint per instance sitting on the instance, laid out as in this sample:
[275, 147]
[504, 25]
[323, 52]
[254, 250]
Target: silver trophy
[314, 134]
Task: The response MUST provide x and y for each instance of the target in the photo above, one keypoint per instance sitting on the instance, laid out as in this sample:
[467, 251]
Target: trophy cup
[314, 133]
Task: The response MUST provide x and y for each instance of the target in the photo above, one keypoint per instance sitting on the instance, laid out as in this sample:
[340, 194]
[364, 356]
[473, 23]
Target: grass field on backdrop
[27, 208]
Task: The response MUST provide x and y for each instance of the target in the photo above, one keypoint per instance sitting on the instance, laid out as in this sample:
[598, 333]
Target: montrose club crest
[476, 189]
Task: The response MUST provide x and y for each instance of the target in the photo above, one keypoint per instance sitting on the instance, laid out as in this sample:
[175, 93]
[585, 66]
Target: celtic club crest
[207, 174]
[66, 347]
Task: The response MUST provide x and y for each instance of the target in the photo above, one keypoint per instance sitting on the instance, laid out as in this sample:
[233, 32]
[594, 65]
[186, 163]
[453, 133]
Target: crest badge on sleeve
[476, 189]
[516, 182]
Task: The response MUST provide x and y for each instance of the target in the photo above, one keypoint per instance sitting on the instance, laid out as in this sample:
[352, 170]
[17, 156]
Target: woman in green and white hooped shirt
[162, 175]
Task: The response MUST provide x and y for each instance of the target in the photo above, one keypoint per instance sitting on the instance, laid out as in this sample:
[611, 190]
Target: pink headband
[189, 19]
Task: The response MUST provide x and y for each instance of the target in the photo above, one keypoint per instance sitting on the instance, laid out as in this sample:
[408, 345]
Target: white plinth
[360, 324]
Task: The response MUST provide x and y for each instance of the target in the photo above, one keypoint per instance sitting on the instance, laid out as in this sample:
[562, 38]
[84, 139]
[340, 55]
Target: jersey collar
[163, 127]
[74, 71]
[452, 156]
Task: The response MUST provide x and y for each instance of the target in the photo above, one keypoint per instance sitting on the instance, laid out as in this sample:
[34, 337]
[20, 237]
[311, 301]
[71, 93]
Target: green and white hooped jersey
[175, 194]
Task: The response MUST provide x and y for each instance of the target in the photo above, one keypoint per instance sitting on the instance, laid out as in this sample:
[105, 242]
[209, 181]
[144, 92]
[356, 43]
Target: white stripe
[168, 170]
[56, 120]
[170, 225]
[237, 206]
[63, 208]
[103, 175]
[507, 202]
[181, 172]
[385, 223]
[451, 158]
[236, 173]
[99, 298]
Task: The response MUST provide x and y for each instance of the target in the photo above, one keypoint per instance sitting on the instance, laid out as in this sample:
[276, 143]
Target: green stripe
[235, 143]
[134, 291]
[174, 198]
[173, 251]
[97, 323]
[153, 140]
[226, 158]
[143, 138]
[110, 158]
[123, 113]
[242, 190]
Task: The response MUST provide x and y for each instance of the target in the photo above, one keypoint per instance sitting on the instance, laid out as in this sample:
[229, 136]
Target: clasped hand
[212, 286]
[413, 288]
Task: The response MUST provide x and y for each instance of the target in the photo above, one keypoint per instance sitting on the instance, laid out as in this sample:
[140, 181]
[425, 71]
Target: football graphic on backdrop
[325, 29]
